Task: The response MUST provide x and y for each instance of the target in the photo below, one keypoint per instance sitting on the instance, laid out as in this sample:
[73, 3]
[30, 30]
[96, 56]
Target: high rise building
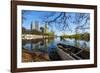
[31, 27]
[35, 25]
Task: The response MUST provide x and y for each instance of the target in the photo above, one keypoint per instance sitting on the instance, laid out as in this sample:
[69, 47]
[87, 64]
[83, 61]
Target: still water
[49, 45]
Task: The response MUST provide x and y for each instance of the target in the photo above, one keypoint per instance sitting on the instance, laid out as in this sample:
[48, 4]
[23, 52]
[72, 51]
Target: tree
[42, 30]
[23, 30]
[63, 20]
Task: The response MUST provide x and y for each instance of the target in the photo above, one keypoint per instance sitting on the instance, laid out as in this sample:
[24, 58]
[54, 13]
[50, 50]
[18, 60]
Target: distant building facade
[35, 26]
[46, 30]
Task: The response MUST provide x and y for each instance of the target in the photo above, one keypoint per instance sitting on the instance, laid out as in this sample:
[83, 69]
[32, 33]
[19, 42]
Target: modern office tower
[35, 25]
[31, 27]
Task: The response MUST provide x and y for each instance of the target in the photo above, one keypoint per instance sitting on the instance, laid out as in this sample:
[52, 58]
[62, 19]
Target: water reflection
[78, 43]
[35, 45]
[49, 45]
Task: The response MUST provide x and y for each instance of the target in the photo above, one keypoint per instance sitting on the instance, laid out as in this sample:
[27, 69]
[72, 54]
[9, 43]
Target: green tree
[42, 30]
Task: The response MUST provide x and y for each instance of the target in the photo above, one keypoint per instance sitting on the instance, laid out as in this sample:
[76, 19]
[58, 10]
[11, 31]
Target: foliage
[84, 36]
[64, 20]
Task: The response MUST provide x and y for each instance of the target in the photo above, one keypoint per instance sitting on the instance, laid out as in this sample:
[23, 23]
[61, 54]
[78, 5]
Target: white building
[35, 25]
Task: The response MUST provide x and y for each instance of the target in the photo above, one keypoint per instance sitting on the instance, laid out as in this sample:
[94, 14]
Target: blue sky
[32, 16]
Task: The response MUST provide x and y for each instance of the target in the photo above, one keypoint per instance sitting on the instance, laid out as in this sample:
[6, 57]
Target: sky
[30, 16]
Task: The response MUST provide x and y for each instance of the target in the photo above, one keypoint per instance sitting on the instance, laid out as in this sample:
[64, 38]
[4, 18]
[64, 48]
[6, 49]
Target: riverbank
[30, 36]
[28, 56]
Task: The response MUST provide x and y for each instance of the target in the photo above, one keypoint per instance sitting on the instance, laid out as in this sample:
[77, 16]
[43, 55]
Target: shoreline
[29, 37]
